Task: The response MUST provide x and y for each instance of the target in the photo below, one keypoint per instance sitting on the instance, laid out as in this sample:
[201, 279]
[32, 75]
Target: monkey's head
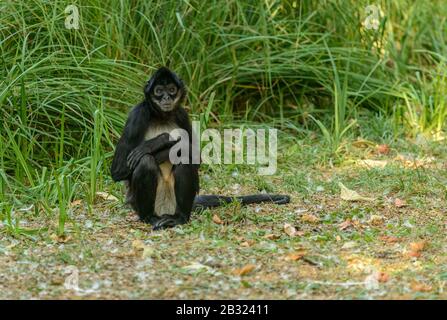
[165, 90]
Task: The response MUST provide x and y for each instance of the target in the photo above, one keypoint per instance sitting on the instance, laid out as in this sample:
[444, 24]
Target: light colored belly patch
[165, 201]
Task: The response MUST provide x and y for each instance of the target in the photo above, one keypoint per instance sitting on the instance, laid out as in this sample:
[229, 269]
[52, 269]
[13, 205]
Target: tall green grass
[64, 93]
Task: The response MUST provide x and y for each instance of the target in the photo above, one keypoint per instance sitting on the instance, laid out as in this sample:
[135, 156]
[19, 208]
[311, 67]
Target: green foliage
[64, 93]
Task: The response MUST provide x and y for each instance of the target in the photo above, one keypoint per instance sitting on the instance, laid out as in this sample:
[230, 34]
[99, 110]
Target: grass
[344, 249]
[311, 69]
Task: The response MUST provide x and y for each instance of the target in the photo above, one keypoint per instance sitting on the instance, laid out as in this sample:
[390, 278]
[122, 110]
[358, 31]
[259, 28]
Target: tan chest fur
[165, 201]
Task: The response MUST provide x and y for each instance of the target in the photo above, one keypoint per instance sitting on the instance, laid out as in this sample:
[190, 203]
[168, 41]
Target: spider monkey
[162, 193]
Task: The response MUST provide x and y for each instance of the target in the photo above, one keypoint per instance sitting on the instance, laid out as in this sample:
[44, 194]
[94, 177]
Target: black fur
[136, 161]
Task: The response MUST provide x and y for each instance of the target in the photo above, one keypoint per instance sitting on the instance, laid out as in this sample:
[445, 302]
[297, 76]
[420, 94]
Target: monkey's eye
[172, 89]
[158, 90]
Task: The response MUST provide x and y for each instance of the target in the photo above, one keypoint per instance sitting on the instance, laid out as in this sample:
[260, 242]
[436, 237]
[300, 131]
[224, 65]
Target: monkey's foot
[167, 221]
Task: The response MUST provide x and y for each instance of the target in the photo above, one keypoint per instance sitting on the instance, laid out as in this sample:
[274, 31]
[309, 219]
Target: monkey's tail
[211, 201]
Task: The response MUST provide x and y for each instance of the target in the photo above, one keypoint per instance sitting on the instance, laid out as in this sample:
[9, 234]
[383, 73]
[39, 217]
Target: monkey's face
[165, 90]
[166, 96]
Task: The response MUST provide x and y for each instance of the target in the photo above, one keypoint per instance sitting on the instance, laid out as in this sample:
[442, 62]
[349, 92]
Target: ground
[383, 237]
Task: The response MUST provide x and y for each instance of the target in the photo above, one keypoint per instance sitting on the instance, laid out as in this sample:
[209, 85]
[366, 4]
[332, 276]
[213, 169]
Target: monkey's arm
[157, 147]
[120, 171]
[133, 134]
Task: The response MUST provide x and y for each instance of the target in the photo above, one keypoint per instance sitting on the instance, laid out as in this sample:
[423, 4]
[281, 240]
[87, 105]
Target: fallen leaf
[290, 230]
[244, 270]
[372, 280]
[138, 245]
[345, 224]
[76, 203]
[389, 239]
[349, 245]
[372, 163]
[399, 203]
[413, 163]
[271, 236]
[133, 216]
[383, 277]
[60, 239]
[383, 149]
[414, 254]
[376, 220]
[295, 255]
[310, 218]
[56, 281]
[248, 243]
[417, 246]
[148, 251]
[196, 266]
[217, 220]
[421, 287]
[351, 195]
[106, 196]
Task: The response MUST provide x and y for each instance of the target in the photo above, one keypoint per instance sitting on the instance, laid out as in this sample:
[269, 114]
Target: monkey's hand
[152, 146]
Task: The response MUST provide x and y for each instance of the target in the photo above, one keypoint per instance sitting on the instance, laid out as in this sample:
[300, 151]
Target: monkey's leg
[186, 186]
[143, 187]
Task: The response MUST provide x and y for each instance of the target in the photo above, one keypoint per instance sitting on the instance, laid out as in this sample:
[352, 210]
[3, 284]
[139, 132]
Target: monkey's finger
[134, 158]
[132, 162]
[164, 222]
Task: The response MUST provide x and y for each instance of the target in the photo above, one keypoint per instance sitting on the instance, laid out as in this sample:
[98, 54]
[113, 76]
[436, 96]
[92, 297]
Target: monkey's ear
[148, 87]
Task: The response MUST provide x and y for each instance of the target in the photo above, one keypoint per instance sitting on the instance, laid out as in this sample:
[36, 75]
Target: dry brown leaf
[345, 224]
[138, 245]
[351, 195]
[376, 220]
[290, 230]
[271, 236]
[148, 251]
[310, 218]
[244, 270]
[106, 196]
[414, 163]
[421, 287]
[294, 256]
[372, 163]
[416, 249]
[383, 277]
[76, 203]
[248, 243]
[60, 239]
[399, 203]
[217, 220]
[417, 246]
[383, 149]
[414, 254]
[389, 239]
[349, 245]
